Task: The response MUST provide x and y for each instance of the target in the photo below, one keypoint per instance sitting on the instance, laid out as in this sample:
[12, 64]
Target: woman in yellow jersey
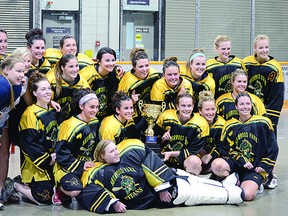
[64, 81]
[137, 82]
[194, 71]
[226, 102]
[221, 66]
[170, 85]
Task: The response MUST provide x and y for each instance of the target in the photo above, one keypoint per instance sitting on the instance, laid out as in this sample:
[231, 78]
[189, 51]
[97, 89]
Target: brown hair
[189, 61]
[136, 54]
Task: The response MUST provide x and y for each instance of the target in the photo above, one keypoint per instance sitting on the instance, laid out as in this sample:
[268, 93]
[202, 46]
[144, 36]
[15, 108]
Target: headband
[87, 97]
[196, 55]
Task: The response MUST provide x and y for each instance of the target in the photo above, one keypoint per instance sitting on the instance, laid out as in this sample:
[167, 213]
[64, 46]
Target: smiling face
[89, 109]
[208, 111]
[69, 46]
[27, 62]
[244, 106]
[142, 68]
[261, 49]
[198, 66]
[16, 74]
[239, 84]
[3, 43]
[172, 76]
[185, 107]
[107, 63]
[126, 111]
[223, 50]
[37, 50]
[70, 70]
[43, 93]
[111, 154]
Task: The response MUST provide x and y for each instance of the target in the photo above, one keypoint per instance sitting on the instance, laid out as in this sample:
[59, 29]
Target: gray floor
[271, 202]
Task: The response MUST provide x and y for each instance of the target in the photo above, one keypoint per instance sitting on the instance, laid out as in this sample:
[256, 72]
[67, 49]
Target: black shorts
[244, 174]
[71, 182]
[42, 191]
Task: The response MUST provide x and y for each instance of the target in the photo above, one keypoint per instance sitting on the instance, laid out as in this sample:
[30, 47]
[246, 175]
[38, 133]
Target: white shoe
[261, 189]
[1, 206]
[271, 182]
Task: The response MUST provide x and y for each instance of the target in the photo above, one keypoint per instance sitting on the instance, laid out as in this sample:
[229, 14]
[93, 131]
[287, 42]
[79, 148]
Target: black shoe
[271, 181]
[8, 190]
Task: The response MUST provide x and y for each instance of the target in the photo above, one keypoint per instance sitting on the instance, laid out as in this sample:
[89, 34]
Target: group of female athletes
[81, 131]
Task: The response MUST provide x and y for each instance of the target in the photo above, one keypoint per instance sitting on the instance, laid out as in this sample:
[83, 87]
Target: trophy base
[151, 139]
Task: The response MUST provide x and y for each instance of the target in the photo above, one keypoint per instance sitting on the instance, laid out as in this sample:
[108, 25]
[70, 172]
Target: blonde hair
[205, 96]
[9, 63]
[260, 37]
[22, 52]
[220, 38]
[237, 73]
[100, 150]
[188, 62]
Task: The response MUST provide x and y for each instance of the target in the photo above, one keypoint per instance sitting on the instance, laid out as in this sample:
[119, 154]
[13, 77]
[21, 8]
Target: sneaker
[14, 196]
[8, 190]
[260, 189]
[231, 180]
[1, 206]
[271, 181]
[56, 198]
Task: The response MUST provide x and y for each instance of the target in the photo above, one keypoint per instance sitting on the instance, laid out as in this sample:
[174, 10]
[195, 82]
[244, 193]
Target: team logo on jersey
[257, 89]
[45, 195]
[127, 184]
[245, 147]
[227, 88]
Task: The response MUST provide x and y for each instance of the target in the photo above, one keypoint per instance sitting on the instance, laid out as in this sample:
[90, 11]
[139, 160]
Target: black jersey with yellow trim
[266, 81]
[251, 141]
[104, 87]
[221, 73]
[43, 67]
[188, 138]
[38, 131]
[134, 180]
[76, 142]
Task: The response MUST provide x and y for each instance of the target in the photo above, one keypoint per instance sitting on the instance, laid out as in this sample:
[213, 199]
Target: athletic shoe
[56, 198]
[260, 189]
[271, 181]
[1, 206]
[8, 190]
[231, 180]
[14, 196]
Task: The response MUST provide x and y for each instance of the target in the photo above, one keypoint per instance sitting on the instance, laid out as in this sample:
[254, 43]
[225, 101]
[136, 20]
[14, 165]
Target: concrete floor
[270, 203]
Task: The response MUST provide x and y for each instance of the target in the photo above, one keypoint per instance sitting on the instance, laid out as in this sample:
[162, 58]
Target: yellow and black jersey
[43, 67]
[213, 143]
[221, 73]
[104, 87]
[65, 98]
[267, 82]
[206, 83]
[129, 83]
[134, 180]
[38, 132]
[253, 141]
[161, 91]
[76, 142]
[227, 109]
[188, 138]
[112, 129]
[53, 55]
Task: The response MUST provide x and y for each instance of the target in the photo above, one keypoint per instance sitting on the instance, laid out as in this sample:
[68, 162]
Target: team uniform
[65, 98]
[267, 82]
[221, 73]
[43, 67]
[53, 55]
[161, 91]
[189, 138]
[206, 83]
[112, 129]
[129, 83]
[227, 109]
[253, 141]
[38, 131]
[104, 87]
[213, 143]
[75, 145]
[138, 178]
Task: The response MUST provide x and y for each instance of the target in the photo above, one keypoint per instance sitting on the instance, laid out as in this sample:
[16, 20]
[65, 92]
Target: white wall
[95, 24]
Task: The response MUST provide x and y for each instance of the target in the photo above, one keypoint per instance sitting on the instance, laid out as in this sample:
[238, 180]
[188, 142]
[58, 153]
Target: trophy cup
[150, 112]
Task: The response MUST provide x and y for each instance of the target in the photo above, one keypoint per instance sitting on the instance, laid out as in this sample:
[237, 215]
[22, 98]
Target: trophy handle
[140, 105]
